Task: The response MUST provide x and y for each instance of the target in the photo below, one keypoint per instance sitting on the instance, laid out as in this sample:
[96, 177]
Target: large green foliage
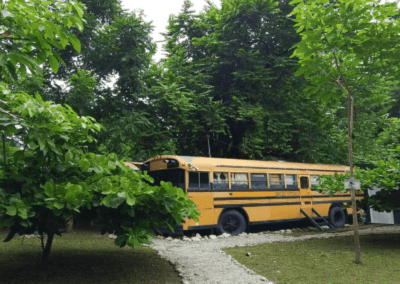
[229, 76]
[346, 45]
[385, 175]
[51, 175]
[352, 47]
[233, 68]
[116, 49]
[33, 31]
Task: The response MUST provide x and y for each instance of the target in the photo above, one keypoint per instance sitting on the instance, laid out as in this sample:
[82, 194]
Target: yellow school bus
[232, 194]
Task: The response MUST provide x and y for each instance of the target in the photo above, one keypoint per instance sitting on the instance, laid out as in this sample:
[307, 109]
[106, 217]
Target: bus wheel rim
[230, 224]
[337, 217]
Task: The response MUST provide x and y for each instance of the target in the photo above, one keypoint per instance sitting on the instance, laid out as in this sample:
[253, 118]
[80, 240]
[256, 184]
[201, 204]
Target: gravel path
[204, 262]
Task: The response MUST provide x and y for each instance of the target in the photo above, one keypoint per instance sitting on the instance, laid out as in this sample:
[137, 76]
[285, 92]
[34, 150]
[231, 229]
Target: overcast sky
[158, 11]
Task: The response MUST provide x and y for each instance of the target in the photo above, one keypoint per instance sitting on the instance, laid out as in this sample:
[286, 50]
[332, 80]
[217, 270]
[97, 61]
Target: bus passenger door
[305, 198]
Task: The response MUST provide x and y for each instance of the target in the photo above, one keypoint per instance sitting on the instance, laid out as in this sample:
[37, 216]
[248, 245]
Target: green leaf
[75, 42]
[11, 69]
[59, 205]
[41, 142]
[49, 189]
[10, 129]
[129, 200]
[121, 240]
[78, 9]
[58, 57]
[63, 38]
[116, 201]
[60, 168]
[106, 201]
[85, 165]
[2, 57]
[11, 210]
[111, 165]
[22, 212]
[53, 63]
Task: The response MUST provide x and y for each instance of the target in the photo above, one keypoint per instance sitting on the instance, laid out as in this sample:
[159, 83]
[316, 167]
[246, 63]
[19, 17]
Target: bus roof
[238, 163]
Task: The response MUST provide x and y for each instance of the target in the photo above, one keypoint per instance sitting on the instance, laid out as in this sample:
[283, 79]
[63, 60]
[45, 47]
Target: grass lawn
[82, 258]
[324, 261]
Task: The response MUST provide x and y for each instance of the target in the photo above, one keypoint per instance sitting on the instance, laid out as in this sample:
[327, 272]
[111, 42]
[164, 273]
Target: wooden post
[357, 248]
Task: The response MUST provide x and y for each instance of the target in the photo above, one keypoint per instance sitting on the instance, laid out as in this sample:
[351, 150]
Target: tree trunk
[50, 237]
[357, 248]
[69, 226]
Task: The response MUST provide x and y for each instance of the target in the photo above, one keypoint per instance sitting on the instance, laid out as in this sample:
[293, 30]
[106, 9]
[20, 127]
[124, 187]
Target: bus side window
[276, 181]
[314, 180]
[239, 181]
[259, 181]
[204, 180]
[198, 181]
[304, 182]
[193, 180]
[291, 182]
[220, 181]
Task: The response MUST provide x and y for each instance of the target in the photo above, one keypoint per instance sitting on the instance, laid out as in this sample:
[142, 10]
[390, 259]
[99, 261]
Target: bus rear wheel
[232, 222]
[337, 217]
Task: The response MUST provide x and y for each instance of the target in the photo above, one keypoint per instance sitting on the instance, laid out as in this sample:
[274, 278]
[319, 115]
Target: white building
[382, 217]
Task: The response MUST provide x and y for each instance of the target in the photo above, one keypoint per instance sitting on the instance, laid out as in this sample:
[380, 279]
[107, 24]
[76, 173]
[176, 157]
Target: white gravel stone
[205, 262]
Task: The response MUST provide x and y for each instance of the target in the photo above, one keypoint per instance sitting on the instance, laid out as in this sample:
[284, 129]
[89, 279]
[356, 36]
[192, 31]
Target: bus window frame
[256, 188]
[296, 186]
[278, 187]
[239, 189]
[199, 188]
[213, 184]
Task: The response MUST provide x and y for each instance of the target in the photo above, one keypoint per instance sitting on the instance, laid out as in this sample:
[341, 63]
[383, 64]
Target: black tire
[337, 217]
[231, 222]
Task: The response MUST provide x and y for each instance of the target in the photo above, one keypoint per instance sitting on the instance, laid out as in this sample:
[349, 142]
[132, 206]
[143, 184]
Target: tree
[346, 46]
[236, 62]
[52, 175]
[116, 49]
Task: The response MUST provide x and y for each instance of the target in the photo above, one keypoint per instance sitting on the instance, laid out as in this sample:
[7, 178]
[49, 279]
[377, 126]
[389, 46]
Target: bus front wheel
[337, 217]
[232, 222]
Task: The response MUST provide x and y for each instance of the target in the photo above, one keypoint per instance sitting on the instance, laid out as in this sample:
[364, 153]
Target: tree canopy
[353, 48]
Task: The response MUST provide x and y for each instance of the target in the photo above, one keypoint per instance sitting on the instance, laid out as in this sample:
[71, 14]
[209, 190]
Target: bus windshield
[176, 177]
